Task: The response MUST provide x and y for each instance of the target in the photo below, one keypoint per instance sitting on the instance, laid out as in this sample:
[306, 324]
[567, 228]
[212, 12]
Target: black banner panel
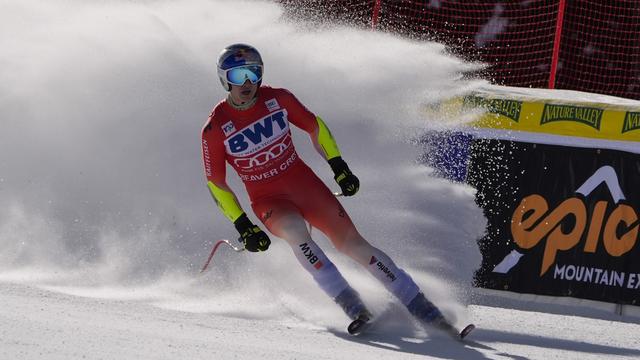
[562, 221]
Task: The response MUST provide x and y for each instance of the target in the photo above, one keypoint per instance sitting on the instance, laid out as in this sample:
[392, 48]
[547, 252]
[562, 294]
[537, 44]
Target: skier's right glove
[252, 236]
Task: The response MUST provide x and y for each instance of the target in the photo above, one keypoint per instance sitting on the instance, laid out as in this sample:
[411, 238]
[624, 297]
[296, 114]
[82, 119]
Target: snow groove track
[40, 324]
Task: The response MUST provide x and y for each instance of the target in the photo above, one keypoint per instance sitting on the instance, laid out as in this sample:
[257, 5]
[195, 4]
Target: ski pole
[215, 248]
[239, 249]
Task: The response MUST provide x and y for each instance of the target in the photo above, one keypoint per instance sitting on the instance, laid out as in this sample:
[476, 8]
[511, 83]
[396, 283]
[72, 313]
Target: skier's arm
[313, 125]
[213, 155]
[324, 143]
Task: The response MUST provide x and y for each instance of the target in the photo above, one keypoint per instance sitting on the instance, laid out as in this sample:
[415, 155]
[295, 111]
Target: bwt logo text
[261, 131]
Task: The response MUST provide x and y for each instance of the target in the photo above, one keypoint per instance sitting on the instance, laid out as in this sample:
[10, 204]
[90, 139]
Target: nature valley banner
[562, 221]
[585, 120]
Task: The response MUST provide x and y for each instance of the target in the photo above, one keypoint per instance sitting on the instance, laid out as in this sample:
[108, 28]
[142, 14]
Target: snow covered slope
[38, 324]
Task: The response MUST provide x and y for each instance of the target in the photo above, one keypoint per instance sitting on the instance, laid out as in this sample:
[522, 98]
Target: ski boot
[428, 314]
[361, 323]
[353, 306]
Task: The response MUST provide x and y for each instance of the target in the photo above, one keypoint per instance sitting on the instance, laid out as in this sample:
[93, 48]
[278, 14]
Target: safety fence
[586, 45]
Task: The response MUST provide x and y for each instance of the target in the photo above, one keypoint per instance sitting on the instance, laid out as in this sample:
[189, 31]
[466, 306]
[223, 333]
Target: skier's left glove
[252, 236]
[349, 183]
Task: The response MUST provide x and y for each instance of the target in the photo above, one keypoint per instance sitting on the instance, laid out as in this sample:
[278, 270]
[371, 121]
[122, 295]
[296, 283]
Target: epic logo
[311, 257]
[259, 134]
[531, 222]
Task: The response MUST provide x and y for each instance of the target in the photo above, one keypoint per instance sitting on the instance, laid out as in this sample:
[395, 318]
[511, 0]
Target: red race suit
[284, 191]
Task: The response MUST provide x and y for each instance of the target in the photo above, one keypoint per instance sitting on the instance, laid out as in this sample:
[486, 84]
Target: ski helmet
[247, 62]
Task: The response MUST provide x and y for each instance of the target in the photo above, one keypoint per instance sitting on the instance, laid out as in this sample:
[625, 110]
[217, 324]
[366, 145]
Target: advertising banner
[584, 120]
[562, 221]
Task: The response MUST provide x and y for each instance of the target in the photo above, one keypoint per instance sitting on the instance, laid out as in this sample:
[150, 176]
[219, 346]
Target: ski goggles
[239, 75]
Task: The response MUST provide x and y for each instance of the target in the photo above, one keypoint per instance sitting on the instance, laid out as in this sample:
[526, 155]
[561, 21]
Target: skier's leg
[383, 268]
[378, 263]
[329, 216]
[284, 220]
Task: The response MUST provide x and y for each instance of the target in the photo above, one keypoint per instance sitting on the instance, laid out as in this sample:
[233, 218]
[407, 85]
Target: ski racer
[250, 130]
